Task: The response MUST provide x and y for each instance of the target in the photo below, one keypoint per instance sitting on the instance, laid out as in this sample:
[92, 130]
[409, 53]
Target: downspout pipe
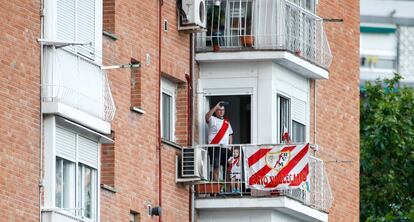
[160, 3]
[190, 118]
[41, 109]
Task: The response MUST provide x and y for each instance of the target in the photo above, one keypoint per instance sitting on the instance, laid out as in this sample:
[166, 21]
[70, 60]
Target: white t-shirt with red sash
[219, 131]
[234, 168]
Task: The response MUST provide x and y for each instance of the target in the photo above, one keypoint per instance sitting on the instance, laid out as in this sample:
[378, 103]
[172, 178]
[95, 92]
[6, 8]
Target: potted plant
[247, 38]
[215, 25]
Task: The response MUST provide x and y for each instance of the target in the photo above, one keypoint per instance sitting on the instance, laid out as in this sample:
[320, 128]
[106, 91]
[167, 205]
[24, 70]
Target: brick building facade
[130, 166]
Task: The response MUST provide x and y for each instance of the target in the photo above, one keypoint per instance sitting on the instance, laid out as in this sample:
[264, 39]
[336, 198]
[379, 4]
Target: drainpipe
[314, 112]
[41, 110]
[160, 3]
[190, 101]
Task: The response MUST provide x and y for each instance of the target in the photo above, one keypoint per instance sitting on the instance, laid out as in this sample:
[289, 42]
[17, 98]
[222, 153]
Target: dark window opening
[238, 112]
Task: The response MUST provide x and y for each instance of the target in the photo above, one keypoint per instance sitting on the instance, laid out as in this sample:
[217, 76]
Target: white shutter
[88, 152]
[65, 20]
[298, 110]
[65, 144]
[86, 26]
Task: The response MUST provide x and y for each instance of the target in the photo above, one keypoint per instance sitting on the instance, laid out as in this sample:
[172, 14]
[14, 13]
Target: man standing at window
[219, 132]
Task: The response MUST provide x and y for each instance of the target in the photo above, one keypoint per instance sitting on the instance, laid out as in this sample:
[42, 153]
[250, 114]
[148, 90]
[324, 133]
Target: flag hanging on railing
[276, 167]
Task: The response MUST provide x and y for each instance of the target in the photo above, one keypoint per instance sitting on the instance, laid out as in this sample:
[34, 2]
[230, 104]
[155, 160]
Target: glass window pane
[166, 116]
[284, 116]
[87, 187]
[59, 183]
[65, 184]
[298, 132]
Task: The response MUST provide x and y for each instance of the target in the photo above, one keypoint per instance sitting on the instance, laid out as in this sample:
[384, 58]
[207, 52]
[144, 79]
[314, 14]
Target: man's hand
[212, 110]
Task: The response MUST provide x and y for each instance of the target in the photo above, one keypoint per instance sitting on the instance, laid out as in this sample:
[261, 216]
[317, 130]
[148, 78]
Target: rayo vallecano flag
[276, 167]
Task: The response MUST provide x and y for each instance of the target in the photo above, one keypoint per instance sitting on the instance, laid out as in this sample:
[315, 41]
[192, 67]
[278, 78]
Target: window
[76, 174]
[284, 116]
[168, 94]
[65, 184]
[298, 132]
[80, 21]
[292, 118]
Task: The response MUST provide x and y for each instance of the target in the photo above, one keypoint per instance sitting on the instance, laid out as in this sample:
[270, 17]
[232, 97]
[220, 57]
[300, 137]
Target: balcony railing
[78, 83]
[221, 182]
[265, 25]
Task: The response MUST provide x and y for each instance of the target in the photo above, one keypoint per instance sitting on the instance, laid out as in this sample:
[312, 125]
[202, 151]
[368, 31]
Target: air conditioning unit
[192, 15]
[193, 165]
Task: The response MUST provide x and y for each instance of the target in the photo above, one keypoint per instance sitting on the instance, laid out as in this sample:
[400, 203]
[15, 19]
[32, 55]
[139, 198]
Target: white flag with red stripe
[276, 167]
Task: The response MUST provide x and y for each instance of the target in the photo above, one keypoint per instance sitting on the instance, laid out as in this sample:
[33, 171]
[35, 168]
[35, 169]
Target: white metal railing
[222, 182]
[265, 25]
[101, 109]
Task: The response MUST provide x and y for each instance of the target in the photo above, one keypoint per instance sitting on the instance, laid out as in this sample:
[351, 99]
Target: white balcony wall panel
[290, 83]
[266, 104]
[264, 25]
[91, 87]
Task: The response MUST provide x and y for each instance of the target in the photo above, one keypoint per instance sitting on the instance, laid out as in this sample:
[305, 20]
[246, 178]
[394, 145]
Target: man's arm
[231, 139]
[212, 110]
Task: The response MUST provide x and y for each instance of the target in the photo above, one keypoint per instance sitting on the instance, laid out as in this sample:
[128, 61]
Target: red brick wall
[136, 144]
[338, 109]
[20, 110]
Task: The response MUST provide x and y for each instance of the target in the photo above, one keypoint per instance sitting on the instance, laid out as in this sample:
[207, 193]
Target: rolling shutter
[86, 26]
[75, 22]
[88, 152]
[65, 20]
[65, 144]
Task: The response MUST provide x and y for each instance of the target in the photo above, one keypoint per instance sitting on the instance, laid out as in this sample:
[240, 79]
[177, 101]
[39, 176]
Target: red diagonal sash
[220, 134]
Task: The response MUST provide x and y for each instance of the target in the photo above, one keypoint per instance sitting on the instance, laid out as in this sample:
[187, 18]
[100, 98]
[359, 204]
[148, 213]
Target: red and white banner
[276, 167]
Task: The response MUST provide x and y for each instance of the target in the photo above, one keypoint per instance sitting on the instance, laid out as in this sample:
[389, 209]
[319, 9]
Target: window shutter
[86, 26]
[65, 20]
[299, 110]
[88, 152]
[65, 144]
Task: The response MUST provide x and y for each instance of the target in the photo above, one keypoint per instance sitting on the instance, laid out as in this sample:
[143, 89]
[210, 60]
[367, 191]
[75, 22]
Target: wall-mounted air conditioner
[193, 165]
[192, 15]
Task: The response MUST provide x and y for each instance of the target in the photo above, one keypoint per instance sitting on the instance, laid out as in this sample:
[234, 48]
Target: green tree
[387, 151]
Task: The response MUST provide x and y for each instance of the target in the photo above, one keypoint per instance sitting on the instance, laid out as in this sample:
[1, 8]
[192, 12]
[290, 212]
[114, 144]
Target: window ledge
[172, 144]
[110, 35]
[109, 188]
[137, 110]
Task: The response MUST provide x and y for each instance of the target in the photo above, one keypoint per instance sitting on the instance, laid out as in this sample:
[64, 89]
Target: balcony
[77, 89]
[219, 192]
[265, 25]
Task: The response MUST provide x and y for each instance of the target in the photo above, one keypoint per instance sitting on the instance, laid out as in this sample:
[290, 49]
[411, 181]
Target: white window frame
[169, 88]
[51, 155]
[279, 130]
[77, 163]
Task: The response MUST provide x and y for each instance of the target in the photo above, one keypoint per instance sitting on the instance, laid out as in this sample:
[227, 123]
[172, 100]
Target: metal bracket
[59, 44]
[124, 66]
